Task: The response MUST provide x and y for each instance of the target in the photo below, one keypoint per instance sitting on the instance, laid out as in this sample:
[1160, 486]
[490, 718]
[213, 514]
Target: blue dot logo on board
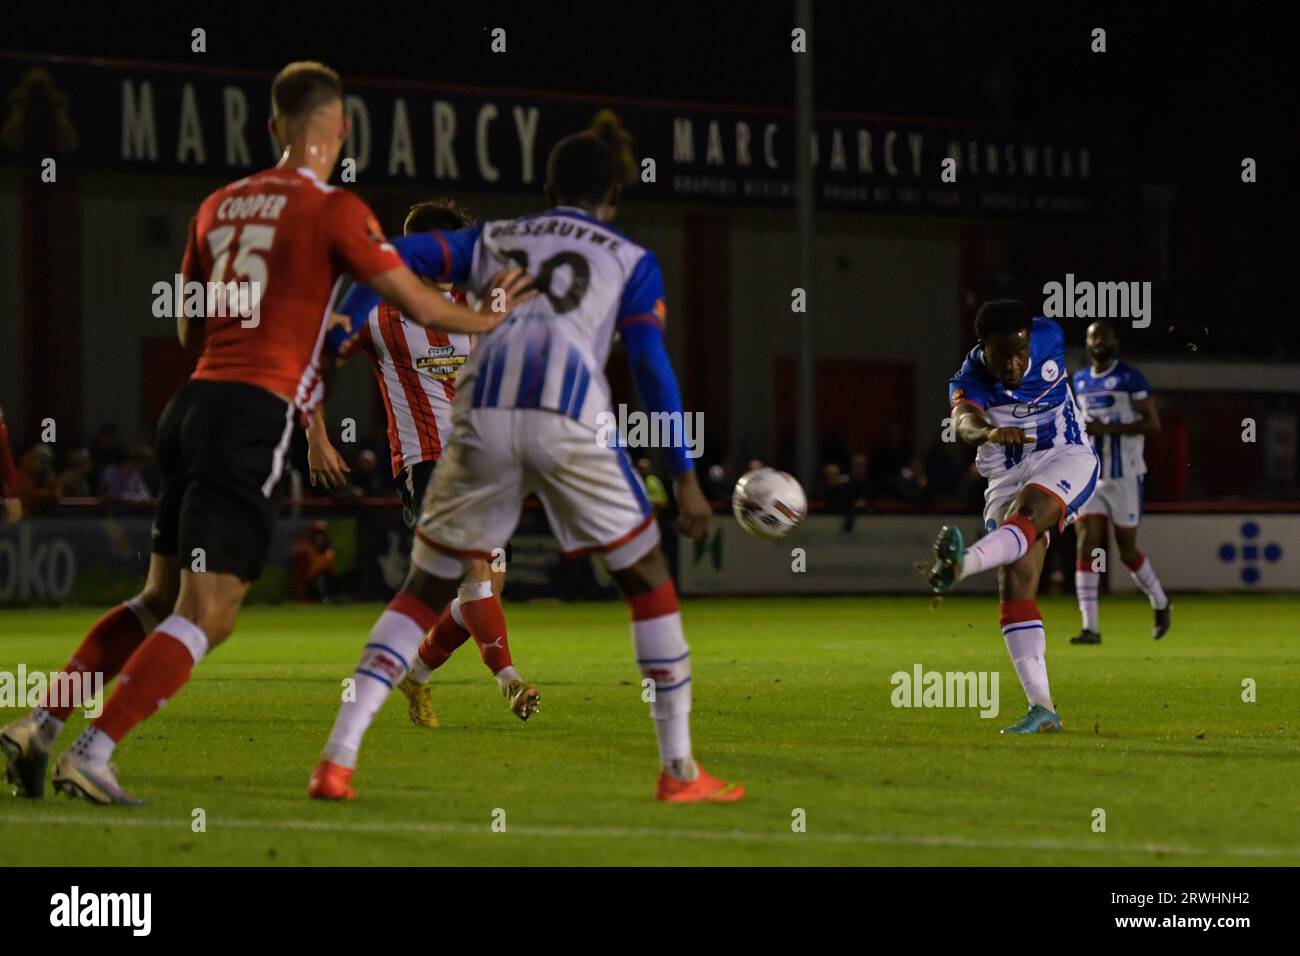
[1251, 553]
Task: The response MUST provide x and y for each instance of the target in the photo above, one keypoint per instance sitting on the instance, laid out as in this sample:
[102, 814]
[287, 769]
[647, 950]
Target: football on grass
[769, 503]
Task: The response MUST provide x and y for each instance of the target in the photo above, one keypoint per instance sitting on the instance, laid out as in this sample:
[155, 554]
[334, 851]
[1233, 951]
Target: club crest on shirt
[1050, 370]
[1111, 382]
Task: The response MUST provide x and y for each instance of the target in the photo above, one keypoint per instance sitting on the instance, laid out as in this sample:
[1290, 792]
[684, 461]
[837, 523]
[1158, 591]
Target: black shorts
[411, 485]
[221, 453]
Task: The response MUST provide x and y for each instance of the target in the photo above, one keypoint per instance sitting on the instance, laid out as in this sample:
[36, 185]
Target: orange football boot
[329, 781]
[705, 788]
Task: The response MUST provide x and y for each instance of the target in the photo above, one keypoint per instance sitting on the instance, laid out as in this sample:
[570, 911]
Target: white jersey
[551, 352]
[1111, 397]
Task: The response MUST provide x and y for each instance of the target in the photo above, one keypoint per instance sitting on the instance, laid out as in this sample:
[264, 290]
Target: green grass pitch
[792, 697]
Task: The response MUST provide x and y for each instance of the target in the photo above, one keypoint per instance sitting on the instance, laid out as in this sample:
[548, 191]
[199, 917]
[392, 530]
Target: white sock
[505, 676]
[1027, 643]
[420, 671]
[455, 611]
[94, 746]
[188, 633]
[664, 658]
[1004, 545]
[394, 640]
[1145, 578]
[1087, 586]
[48, 727]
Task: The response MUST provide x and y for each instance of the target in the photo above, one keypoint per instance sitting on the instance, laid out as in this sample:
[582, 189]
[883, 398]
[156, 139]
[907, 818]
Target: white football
[769, 503]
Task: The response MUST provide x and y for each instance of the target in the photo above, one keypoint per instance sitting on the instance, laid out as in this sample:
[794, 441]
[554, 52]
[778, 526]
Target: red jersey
[289, 238]
[416, 369]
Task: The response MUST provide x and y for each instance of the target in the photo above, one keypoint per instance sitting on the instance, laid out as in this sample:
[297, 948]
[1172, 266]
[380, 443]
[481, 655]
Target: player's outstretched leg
[954, 562]
[110, 642]
[664, 659]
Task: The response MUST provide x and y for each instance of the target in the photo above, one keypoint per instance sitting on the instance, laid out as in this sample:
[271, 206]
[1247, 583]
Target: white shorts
[1067, 472]
[593, 497]
[1119, 499]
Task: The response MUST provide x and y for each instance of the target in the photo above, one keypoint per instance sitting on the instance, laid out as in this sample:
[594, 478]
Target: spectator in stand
[74, 481]
[913, 484]
[859, 483]
[37, 487]
[717, 483]
[971, 491]
[888, 459]
[105, 450]
[835, 489]
[126, 481]
[10, 504]
[312, 556]
[366, 480]
[942, 470]
[851, 495]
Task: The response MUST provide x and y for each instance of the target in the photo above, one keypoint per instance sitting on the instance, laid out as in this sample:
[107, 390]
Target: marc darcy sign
[156, 118]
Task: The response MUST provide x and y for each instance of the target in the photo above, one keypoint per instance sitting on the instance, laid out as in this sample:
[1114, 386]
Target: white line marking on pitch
[734, 836]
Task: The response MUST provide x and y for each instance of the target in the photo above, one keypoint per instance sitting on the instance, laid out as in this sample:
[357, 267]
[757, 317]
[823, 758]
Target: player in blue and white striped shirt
[529, 417]
[1120, 413]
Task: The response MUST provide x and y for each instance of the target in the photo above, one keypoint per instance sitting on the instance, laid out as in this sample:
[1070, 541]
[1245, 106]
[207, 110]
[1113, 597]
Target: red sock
[156, 671]
[105, 648]
[487, 624]
[439, 643]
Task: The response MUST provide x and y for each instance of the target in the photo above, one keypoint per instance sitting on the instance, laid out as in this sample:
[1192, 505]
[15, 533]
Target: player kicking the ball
[416, 370]
[1120, 413]
[1012, 400]
[526, 420]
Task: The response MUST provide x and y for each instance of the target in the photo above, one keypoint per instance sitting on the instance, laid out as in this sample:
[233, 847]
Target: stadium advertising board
[170, 120]
[1193, 553]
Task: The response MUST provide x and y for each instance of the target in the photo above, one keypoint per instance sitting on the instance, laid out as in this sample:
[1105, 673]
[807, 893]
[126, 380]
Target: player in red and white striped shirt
[416, 370]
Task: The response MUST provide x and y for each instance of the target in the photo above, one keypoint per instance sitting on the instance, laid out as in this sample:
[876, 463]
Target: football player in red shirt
[416, 369]
[276, 245]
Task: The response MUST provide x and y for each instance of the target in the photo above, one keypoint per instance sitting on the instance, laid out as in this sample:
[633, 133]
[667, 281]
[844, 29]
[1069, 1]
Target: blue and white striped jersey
[551, 352]
[1109, 396]
[1042, 404]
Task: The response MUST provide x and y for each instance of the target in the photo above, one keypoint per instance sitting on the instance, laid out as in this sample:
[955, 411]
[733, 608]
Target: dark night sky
[1167, 70]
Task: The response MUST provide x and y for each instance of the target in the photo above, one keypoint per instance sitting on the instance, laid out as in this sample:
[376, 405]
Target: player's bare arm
[326, 466]
[427, 306]
[975, 429]
[694, 516]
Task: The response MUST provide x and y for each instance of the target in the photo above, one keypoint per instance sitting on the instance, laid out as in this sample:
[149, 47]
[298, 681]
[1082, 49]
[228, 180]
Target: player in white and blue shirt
[1012, 400]
[529, 417]
[1120, 413]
